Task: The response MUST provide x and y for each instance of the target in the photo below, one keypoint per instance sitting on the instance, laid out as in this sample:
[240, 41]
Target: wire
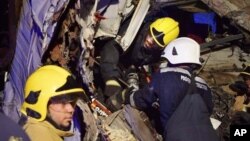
[210, 52]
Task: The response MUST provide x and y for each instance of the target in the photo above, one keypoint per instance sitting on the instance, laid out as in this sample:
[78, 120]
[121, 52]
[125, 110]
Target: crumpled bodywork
[39, 18]
[237, 11]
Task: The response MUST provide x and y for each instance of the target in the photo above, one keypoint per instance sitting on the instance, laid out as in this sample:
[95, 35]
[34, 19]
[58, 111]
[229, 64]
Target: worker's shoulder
[35, 126]
[175, 70]
[40, 131]
[10, 130]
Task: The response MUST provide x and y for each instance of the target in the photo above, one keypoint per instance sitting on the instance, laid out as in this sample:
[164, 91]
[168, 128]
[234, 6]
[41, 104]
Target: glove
[240, 87]
[116, 101]
[133, 80]
[127, 93]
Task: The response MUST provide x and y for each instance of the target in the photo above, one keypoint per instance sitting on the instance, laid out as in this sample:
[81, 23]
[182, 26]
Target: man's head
[51, 91]
[182, 50]
[161, 32]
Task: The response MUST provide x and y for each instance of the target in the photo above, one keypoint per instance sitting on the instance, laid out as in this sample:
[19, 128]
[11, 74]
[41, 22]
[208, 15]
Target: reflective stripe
[131, 100]
[181, 70]
[198, 79]
[113, 83]
[175, 70]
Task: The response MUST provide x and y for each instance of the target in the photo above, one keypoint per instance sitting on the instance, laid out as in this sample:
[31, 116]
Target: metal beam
[176, 3]
[221, 41]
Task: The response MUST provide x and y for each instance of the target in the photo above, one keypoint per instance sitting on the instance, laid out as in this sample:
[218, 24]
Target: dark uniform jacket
[191, 114]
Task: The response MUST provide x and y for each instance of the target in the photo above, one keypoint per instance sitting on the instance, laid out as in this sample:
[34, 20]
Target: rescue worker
[51, 94]
[242, 88]
[145, 49]
[10, 130]
[185, 100]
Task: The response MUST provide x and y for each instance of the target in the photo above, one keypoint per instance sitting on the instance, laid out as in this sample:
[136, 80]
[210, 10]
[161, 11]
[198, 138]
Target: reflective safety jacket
[44, 131]
[170, 86]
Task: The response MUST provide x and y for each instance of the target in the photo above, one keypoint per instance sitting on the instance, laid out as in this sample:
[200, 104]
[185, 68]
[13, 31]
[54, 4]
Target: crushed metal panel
[91, 130]
[135, 24]
[237, 11]
[35, 31]
[114, 13]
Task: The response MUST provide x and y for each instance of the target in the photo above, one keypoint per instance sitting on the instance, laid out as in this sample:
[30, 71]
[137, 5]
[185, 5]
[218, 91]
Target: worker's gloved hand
[132, 78]
[113, 91]
[116, 101]
[126, 94]
[240, 87]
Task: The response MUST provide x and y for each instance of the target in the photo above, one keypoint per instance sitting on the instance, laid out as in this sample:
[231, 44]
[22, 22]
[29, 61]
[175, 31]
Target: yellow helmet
[45, 83]
[164, 30]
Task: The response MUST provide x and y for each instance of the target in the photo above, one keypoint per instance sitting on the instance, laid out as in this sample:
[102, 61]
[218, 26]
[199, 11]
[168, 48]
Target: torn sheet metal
[135, 24]
[238, 12]
[36, 27]
[113, 13]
